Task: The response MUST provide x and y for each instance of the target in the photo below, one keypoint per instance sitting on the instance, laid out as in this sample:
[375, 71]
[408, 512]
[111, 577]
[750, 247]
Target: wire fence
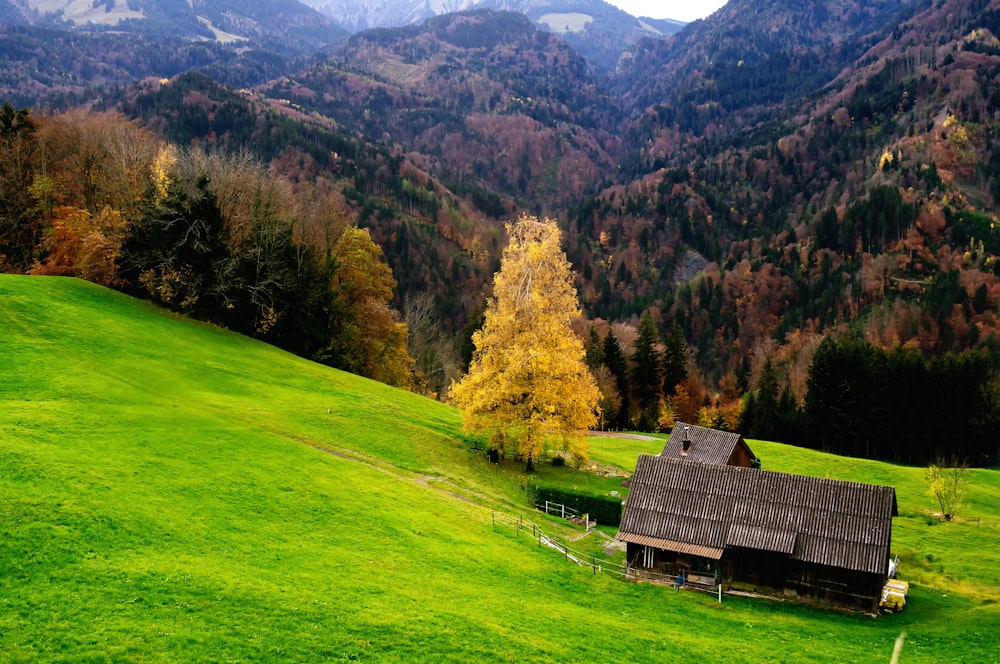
[626, 572]
[532, 529]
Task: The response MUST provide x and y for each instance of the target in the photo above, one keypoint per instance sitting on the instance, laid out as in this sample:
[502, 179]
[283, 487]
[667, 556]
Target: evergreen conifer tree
[674, 359]
[617, 364]
[646, 378]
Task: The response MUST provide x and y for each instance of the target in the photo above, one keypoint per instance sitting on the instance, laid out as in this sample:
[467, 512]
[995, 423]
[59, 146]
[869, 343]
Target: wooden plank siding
[820, 537]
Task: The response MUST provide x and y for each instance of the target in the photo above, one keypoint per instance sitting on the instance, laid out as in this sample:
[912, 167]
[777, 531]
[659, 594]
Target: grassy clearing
[623, 452]
[81, 12]
[170, 491]
[566, 22]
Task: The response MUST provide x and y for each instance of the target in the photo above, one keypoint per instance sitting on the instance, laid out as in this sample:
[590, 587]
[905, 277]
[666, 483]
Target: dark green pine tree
[764, 420]
[15, 121]
[646, 378]
[828, 230]
[614, 360]
[177, 251]
[465, 346]
[21, 229]
[846, 402]
[980, 299]
[791, 424]
[595, 349]
[674, 359]
[745, 425]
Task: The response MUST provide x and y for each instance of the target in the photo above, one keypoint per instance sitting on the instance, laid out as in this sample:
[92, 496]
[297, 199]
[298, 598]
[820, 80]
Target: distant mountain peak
[282, 25]
[596, 29]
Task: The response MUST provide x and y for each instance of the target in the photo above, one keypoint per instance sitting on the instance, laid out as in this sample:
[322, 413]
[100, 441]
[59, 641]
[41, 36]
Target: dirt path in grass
[441, 484]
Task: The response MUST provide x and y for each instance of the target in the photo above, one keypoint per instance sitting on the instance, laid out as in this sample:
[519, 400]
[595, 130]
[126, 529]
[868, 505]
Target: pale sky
[681, 10]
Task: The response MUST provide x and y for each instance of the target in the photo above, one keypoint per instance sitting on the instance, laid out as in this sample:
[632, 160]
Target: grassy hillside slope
[173, 492]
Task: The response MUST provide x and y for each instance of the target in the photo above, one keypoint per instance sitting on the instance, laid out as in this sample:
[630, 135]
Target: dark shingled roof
[705, 508]
[707, 445]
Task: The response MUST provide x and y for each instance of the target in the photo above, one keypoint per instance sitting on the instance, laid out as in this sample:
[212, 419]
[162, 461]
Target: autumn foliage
[528, 380]
[212, 235]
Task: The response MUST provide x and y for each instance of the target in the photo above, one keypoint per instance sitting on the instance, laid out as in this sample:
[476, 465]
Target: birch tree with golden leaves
[528, 384]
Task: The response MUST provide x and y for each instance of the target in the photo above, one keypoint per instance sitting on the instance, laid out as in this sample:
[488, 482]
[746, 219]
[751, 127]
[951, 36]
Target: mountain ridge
[596, 29]
[856, 199]
[286, 25]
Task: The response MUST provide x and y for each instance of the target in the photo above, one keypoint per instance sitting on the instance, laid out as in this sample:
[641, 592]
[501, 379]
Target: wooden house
[755, 530]
[690, 442]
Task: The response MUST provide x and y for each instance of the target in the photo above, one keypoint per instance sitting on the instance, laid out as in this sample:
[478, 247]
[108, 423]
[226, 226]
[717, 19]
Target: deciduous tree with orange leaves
[528, 383]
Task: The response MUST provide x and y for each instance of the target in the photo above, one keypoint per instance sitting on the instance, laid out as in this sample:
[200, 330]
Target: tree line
[842, 396]
[896, 405]
[215, 236]
[887, 404]
[644, 384]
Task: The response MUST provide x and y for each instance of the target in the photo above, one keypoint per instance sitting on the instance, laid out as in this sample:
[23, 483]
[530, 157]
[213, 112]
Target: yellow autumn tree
[367, 337]
[528, 383]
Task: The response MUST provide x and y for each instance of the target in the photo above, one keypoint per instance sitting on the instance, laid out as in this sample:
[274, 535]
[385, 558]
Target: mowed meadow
[173, 492]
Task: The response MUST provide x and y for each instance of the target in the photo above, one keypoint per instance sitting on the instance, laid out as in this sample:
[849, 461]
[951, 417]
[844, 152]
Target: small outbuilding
[766, 532]
[690, 442]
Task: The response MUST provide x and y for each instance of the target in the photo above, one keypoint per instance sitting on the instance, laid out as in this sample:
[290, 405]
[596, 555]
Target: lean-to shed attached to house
[774, 533]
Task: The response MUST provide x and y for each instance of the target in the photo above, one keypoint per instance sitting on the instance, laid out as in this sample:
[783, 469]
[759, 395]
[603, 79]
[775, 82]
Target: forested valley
[795, 238]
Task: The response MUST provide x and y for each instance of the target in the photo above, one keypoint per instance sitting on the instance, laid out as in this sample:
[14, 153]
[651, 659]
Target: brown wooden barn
[694, 443]
[773, 533]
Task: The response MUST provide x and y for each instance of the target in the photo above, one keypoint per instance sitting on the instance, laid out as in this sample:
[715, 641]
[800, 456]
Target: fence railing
[565, 512]
[686, 580]
[527, 527]
[559, 509]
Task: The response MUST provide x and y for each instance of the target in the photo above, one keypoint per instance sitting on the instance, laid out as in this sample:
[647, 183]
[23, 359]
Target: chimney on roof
[687, 441]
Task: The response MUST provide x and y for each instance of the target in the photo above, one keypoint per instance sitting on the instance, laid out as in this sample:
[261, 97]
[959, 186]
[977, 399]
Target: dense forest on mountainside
[482, 98]
[597, 30]
[761, 182]
[748, 57]
[57, 69]
[423, 227]
[858, 212]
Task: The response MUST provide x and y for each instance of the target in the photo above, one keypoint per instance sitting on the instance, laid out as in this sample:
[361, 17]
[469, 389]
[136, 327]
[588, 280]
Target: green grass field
[173, 492]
